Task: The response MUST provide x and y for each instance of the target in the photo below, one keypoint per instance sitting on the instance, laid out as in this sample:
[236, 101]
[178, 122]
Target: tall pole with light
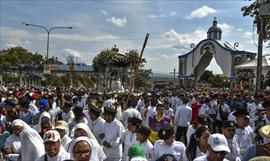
[48, 30]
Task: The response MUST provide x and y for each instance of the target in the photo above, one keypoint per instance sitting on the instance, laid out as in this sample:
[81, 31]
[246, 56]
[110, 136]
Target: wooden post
[136, 69]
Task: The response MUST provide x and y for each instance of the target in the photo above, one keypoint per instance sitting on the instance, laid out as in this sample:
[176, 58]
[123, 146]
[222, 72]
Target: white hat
[218, 142]
[265, 131]
[51, 135]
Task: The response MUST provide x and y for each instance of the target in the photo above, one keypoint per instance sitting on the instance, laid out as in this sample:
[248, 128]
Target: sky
[99, 24]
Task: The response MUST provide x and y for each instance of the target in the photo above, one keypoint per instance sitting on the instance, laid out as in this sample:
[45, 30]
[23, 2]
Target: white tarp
[253, 63]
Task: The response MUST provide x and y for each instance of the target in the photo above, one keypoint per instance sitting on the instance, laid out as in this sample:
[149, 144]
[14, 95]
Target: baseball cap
[51, 135]
[228, 124]
[218, 142]
[165, 132]
[135, 151]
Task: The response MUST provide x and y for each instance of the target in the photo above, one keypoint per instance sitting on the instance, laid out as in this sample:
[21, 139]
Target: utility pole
[264, 10]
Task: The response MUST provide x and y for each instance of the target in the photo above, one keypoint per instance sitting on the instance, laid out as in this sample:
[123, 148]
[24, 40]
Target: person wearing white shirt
[95, 122]
[143, 133]
[252, 108]
[67, 114]
[204, 109]
[200, 121]
[12, 147]
[198, 145]
[54, 150]
[129, 113]
[111, 134]
[62, 127]
[228, 130]
[223, 110]
[151, 109]
[182, 120]
[244, 133]
[217, 150]
[168, 145]
[128, 138]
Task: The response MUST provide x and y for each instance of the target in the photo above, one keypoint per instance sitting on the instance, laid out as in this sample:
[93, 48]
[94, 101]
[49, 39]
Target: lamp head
[25, 24]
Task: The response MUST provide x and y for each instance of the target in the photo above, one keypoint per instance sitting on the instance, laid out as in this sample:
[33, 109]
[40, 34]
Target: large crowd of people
[57, 124]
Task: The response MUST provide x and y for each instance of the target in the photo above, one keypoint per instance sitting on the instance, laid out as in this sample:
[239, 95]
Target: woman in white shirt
[12, 149]
[198, 143]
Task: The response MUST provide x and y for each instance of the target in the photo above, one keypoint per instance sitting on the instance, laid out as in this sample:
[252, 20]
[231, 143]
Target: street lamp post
[48, 33]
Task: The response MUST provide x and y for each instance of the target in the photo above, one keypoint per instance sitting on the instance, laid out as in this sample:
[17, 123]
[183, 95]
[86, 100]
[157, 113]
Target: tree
[253, 11]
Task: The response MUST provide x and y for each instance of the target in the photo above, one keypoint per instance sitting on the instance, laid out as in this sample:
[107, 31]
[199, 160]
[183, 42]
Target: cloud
[83, 38]
[156, 16]
[201, 12]
[8, 45]
[226, 29]
[173, 13]
[72, 52]
[104, 12]
[118, 21]
[183, 41]
[247, 35]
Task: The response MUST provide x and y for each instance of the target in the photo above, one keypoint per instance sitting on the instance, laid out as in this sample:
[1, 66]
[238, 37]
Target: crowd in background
[210, 124]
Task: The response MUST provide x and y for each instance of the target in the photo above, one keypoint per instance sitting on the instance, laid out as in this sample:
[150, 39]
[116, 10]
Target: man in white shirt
[252, 109]
[143, 133]
[53, 147]
[95, 122]
[62, 127]
[129, 113]
[244, 134]
[111, 134]
[223, 110]
[67, 114]
[182, 120]
[217, 150]
[228, 130]
[168, 145]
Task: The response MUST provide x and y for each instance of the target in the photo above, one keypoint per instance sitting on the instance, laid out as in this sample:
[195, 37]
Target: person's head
[62, 127]
[185, 100]
[17, 127]
[200, 121]
[82, 129]
[242, 118]
[52, 142]
[266, 106]
[166, 133]
[160, 109]
[133, 123]
[94, 111]
[81, 149]
[218, 147]
[143, 133]
[67, 107]
[220, 99]
[78, 112]
[135, 151]
[198, 139]
[24, 104]
[110, 113]
[228, 129]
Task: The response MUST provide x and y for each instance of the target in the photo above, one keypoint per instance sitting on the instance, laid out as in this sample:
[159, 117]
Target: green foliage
[214, 80]
[253, 11]
[111, 59]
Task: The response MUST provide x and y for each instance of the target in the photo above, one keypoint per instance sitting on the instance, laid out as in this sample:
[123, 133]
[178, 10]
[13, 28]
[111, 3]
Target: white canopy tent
[253, 64]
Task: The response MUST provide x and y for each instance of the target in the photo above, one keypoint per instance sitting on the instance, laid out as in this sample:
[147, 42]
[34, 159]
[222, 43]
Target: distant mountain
[166, 75]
